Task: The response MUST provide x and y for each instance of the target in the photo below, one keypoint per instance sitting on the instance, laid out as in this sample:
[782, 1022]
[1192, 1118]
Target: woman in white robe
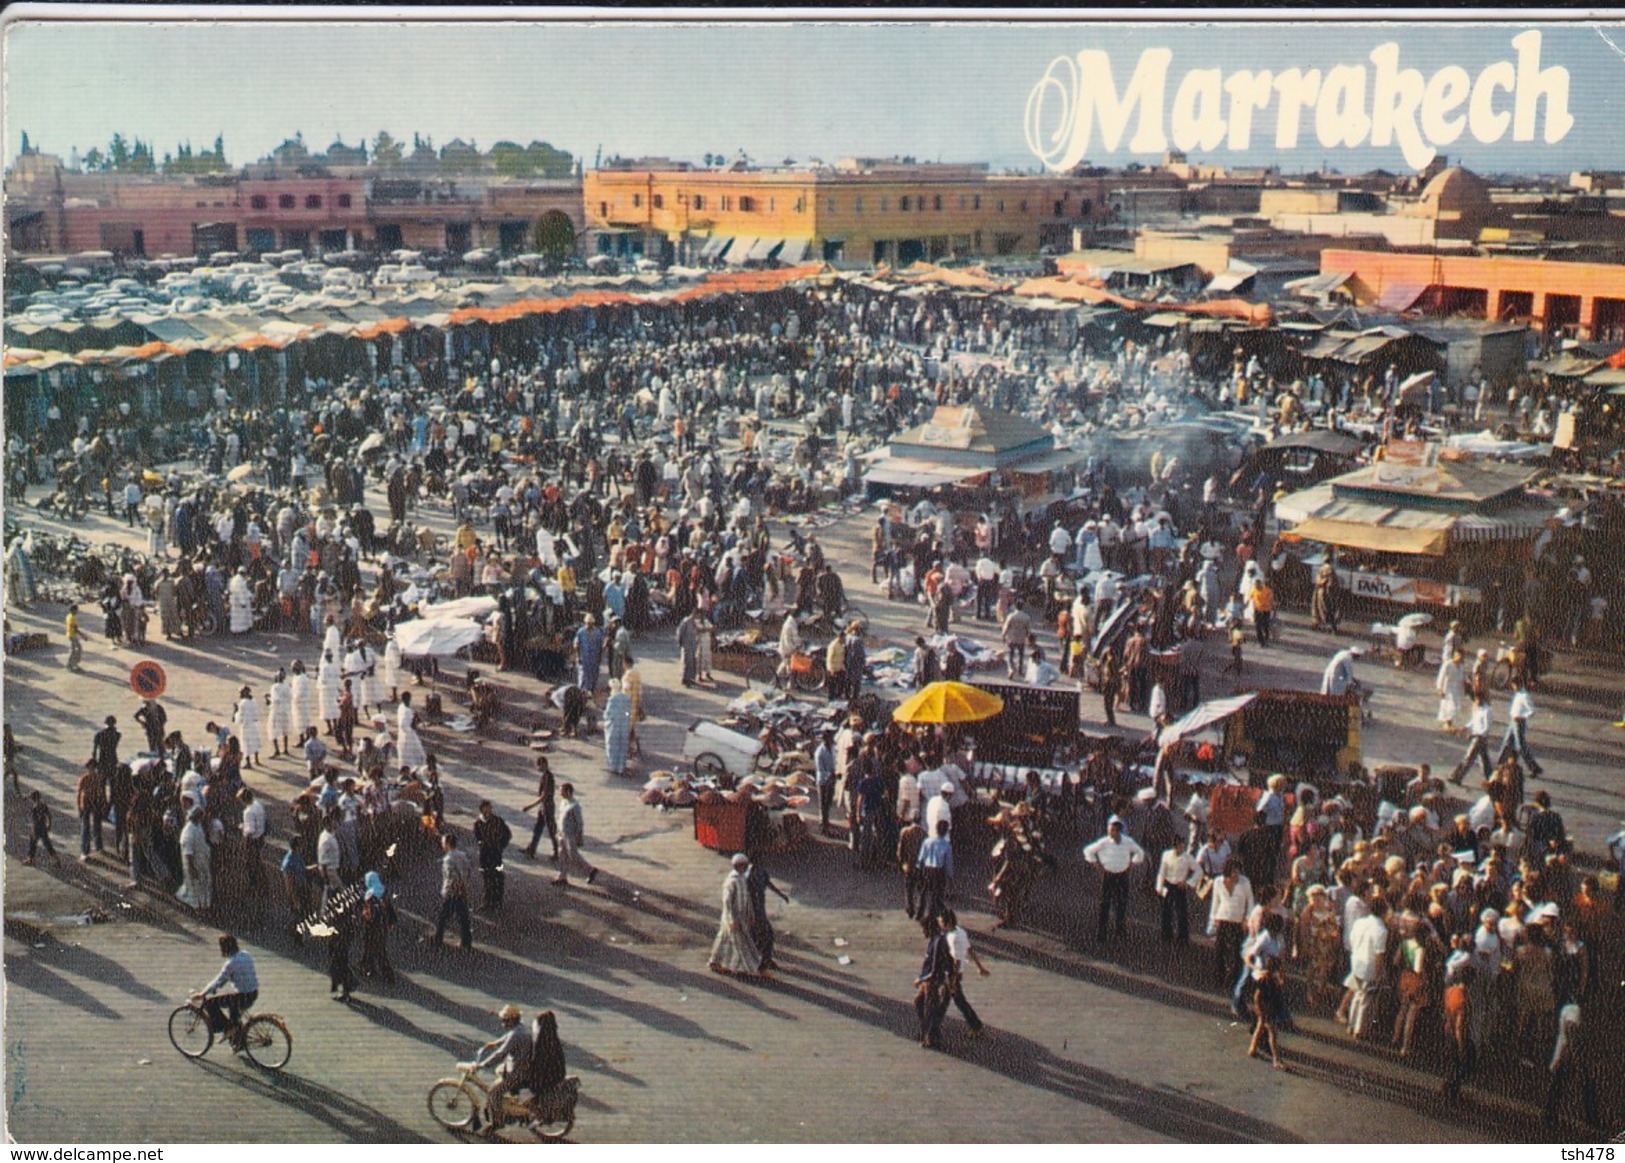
[408, 746]
[279, 717]
[332, 643]
[197, 878]
[241, 598]
[303, 693]
[327, 691]
[734, 950]
[247, 722]
[1451, 687]
[371, 691]
[392, 666]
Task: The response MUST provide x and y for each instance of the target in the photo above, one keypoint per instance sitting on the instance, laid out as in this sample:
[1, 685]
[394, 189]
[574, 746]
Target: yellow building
[859, 212]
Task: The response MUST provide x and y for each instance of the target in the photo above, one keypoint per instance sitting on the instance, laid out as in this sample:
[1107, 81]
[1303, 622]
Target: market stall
[1423, 527]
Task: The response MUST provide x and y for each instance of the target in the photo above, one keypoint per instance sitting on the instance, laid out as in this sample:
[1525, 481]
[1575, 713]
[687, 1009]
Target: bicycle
[265, 1037]
[455, 1103]
[805, 672]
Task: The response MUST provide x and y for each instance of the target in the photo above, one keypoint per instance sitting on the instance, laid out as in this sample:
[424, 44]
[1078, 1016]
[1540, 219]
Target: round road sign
[147, 679]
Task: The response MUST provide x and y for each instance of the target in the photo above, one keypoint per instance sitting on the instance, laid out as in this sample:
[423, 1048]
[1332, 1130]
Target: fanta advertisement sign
[1376, 101]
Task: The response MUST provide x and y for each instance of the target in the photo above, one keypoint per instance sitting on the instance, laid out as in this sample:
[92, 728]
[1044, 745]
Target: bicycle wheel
[189, 1031]
[206, 623]
[710, 765]
[452, 1105]
[763, 678]
[268, 1042]
[812, 678]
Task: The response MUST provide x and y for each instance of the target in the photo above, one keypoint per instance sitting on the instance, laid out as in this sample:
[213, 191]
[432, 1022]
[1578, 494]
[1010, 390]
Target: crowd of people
[583, 470]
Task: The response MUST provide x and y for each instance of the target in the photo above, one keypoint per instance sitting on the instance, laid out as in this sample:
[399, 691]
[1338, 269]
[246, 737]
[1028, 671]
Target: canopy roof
[974, 429]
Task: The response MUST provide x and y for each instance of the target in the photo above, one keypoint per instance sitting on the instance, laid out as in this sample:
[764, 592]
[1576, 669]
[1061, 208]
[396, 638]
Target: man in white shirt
[1232, 900]
[253, 827]
[987, 588]
[1478, 746]
[959, 945]
[1516, 741]
[1368, 942]
[1116, 853]
[1177, 874]
[1059, 541]
[939, 808]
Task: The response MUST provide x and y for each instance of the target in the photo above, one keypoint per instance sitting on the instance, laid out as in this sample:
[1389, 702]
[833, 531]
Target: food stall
[1036, 730]
[1301, 734]
[1426, 526]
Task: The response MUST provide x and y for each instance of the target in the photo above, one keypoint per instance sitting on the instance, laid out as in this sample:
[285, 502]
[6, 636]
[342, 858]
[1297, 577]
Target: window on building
[746, 204]
[902, 203]
[772, 205]
[202, 205]
[885, 204]
[313, 201]
[344, 201]
[801, 204]
[857, 204]
[259, 202]
[829, 204]
[919, 203]
[1084, 207]
[1060, 208]
[658, 201]
[603, 209]
[1001, 206]
[976, 204]
[637, 201]
[699, 201]
[936, 202]
[284, 201]
[1024, 205]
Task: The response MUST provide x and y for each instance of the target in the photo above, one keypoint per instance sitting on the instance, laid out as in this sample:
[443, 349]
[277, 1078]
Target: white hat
[1118, 820]
[947, 789]
[1146, 794]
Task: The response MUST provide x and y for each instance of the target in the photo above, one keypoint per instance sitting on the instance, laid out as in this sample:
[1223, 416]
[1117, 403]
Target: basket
[801, 664]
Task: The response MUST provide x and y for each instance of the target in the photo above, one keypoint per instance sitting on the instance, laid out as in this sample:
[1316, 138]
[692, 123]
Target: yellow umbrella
[949, 702]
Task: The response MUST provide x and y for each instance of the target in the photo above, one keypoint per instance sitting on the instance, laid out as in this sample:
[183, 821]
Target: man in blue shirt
[824, 769]
[936, 868]
[225, 1011]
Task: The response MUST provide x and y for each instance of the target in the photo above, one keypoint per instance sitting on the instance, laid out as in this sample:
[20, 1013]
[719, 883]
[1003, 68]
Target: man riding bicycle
[510, 1056]
[225, 1011]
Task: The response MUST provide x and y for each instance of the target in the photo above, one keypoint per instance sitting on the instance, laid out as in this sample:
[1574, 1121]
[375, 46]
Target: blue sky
[954, 91]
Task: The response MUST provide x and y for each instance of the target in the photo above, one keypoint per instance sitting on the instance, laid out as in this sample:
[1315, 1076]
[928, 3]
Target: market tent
[918, 474]
[478, 606]
[433, 637]
[1203, 715]
[1381, 538]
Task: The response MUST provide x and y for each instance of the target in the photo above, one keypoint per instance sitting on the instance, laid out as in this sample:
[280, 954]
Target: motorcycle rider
[509, 1055]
